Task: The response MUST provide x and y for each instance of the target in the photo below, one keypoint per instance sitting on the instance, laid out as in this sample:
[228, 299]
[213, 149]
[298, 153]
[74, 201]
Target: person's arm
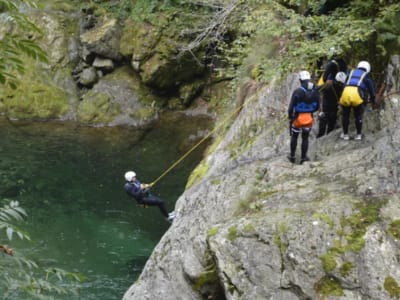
[293, 100]
[370, 87]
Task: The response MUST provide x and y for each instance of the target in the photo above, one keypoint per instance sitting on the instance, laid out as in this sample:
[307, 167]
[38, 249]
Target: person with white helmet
[355, 95]
[303, 103]
[140, 191]
[330, 102]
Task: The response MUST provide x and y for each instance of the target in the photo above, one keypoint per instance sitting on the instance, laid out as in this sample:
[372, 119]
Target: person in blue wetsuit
[304, 102]
[140, 191]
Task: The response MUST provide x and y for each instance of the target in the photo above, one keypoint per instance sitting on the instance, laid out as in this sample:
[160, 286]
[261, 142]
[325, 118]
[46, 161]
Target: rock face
[253, 226]
[86, 49]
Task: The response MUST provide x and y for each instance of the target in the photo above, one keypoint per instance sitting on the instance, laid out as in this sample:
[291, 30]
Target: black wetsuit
[330, 102]
[144, 197]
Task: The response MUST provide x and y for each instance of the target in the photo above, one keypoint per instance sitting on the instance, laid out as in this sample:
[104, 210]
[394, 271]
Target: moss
[143, 113]
[392, 287]
[368, 212]
[250, 203]
[36, 100]
[197, 174]
[345, 268]
[394, 229]
[324, 218]
[216, 181]
[249, 228]
[97, 108]
[282, 229]
[232, 233]
[328, 261]
[212, 231]
[328, 286]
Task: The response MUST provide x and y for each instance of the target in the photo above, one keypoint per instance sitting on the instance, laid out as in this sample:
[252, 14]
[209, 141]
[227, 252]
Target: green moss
[216, 181]
[249, 228]
[328, 261]
[35, 100]
[394, 229]
[280, 243]
[324, 218]
[355, 225]
[97, 108]
[232, 233]
[212, 231]
[197, 174]
[328, 286]
[345, 268]
[392, 287]
[143, 113]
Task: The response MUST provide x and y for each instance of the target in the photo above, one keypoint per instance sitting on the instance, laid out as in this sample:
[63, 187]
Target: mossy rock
[34, 100]
[97, 108]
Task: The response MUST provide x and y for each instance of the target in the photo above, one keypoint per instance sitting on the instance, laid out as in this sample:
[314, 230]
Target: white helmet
[341, 77]
[130, 175]
[304, 75]
[364, 65]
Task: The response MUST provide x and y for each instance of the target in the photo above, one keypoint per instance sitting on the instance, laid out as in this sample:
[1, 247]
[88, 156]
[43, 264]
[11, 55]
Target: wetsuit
[143, 196]
[303, 100]
[330, 100]
[333, 67]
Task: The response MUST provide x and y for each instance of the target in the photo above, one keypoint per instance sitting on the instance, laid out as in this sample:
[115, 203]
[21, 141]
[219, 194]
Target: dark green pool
[69, 179]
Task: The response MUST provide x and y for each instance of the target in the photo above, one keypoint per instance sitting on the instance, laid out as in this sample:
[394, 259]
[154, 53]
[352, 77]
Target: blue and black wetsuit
[303, 100]
[143, 196]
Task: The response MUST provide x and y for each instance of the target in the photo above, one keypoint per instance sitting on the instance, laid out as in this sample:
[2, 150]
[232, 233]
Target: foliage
[21, 277]
[16, 40]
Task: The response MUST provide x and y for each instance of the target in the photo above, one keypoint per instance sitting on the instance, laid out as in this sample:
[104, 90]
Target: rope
[199, 143]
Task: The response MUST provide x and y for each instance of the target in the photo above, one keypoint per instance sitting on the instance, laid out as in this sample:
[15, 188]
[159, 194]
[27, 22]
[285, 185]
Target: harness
[306, 105]
[356, 78]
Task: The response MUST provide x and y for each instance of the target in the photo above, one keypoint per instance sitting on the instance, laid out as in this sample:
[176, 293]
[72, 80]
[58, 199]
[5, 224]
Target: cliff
[254, 226]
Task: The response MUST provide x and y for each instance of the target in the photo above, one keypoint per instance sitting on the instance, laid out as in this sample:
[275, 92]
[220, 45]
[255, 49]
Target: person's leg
[358, 116]
[304, 143]
[155, 201]
[345, 119]
[332, 117]
[293, 144]
[322, 125]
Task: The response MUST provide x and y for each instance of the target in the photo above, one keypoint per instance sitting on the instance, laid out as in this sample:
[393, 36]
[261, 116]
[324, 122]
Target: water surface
[69, 179]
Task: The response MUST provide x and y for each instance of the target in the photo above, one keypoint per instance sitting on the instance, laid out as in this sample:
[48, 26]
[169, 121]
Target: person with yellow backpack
[355, 95]
[303, 103]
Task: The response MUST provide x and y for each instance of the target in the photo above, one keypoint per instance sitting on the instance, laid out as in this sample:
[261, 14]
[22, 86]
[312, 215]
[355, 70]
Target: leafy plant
[16, 41]
[22, 277]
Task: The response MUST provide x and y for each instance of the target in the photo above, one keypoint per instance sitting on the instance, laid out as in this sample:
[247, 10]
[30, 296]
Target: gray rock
[254, 226]
[88, 76]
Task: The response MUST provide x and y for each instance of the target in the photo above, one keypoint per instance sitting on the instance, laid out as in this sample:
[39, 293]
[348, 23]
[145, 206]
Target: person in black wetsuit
[330, 102]
[304, 102]
[140, 192]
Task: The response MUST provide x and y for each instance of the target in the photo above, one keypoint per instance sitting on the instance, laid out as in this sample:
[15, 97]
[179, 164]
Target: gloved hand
[321, 115]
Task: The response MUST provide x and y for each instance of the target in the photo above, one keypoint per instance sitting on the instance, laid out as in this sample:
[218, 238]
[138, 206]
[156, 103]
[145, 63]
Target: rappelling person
[330, 101]
[304, 102]
[355, 95]
[140, 191]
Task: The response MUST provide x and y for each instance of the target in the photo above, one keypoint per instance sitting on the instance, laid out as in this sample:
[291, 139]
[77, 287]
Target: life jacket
[353, 93]
[306, 104]
[356, 78]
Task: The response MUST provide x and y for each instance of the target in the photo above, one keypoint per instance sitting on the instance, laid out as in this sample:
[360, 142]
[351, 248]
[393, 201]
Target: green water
[70, 181]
